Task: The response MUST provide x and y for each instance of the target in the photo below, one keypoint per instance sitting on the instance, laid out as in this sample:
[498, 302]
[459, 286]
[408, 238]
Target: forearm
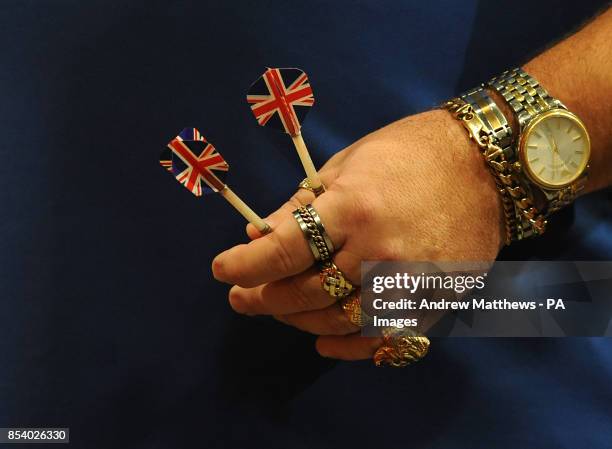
[578, 71]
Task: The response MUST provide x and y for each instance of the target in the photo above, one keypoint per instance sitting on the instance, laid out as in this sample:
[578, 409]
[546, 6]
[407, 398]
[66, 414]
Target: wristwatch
[551, 154]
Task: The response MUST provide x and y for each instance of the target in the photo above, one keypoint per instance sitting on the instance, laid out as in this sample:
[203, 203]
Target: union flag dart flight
[165, 159]
[195, 163]
[281, 98]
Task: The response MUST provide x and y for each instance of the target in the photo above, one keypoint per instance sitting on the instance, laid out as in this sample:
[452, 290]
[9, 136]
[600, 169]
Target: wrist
[472, 178]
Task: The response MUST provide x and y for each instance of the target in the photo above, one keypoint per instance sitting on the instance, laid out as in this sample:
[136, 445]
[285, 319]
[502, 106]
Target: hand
[417, 189]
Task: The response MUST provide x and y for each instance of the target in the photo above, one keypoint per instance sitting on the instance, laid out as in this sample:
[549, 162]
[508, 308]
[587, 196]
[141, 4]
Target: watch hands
[554, 165]
[555, 151]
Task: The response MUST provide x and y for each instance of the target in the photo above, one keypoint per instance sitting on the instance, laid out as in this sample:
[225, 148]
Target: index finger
[282, 253]
[302, 196]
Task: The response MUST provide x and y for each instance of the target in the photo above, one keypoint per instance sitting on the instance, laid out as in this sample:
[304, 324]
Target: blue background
[111, 323]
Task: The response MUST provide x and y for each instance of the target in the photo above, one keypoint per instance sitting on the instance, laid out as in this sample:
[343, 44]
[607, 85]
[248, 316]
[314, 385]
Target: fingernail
[217, 268]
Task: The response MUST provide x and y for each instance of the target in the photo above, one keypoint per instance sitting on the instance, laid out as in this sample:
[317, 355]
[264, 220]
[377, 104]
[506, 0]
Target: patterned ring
[401, 350]
[314, 232]
[305, 184]
[315, 215]
[334, 282]
[301, 216]
[351, 306]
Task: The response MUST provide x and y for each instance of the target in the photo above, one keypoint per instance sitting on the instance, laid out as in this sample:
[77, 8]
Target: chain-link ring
[326, 240]
[310, 223]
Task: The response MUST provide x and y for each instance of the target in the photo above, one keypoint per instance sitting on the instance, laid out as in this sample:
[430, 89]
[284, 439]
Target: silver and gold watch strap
[527, 99]
[523, 94]
[566, 196]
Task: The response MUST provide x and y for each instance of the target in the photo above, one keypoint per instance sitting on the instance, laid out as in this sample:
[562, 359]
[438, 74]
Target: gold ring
[305, 184]
[351, 305]
[334, 282]
[400, 350]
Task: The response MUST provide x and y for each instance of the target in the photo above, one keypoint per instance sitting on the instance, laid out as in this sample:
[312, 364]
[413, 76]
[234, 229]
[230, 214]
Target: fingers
[282, 253]
[299, 293]
[300, 198]
[328, 321]
[349, 347]
[293, 294]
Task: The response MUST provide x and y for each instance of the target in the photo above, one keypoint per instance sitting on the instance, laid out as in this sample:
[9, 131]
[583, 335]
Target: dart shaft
[309, 168]
[245, 210]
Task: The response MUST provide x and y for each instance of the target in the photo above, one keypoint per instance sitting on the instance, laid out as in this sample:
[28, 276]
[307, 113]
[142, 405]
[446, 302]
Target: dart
[200, 168]
[280, 99]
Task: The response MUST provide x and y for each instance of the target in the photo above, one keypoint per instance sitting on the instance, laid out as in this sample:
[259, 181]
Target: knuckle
[389, 251]
[282, 256]
[362, 211]
[295, 202]
[303, 301]
[337, 322]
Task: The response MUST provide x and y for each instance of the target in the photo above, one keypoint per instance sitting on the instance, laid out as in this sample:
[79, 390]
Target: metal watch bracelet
[527, 99]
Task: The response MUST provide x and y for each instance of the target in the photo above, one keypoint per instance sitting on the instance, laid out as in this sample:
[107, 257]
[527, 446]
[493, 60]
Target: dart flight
[280, 99]
[200, 168]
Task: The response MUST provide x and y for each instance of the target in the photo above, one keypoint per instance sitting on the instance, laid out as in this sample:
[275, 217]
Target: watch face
[555, 148]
